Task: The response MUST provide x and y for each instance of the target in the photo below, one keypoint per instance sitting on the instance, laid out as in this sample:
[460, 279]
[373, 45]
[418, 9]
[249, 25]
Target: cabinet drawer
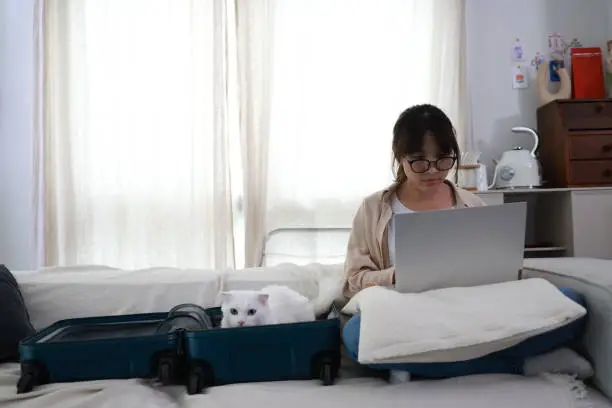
[596, 172]
[591, 147]
[587, 115]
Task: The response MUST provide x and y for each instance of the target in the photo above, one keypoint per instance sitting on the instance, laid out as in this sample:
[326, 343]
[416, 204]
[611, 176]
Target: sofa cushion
[64, 293]
[54, 294]
[303, 279]
[592, 278]
[14, 318]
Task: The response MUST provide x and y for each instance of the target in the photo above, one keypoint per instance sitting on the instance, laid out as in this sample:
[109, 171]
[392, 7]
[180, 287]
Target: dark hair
[410, 130]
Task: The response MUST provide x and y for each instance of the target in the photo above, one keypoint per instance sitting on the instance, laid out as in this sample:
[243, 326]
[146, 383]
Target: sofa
[59, 293]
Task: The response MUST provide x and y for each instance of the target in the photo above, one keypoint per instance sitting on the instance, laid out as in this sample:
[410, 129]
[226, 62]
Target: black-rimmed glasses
[423, 165]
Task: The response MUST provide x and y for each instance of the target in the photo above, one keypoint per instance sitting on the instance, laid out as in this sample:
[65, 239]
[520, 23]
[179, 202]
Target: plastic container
[587, 73]
[297, 351]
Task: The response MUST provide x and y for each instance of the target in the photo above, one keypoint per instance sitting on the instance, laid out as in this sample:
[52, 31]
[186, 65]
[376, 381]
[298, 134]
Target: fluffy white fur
[273, 304]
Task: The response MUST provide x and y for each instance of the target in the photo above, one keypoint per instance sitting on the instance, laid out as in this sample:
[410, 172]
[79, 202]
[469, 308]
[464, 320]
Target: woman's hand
[367, 285]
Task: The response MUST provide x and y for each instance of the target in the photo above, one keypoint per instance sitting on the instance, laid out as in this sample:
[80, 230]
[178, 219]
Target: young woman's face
[428, 169]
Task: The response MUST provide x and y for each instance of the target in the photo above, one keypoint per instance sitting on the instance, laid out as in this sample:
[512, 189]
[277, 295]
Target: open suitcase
[184, 346]
[297, 351]
[112, 347]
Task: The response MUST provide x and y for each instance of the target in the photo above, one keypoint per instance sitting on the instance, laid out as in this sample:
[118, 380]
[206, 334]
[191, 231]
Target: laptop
[459, 247]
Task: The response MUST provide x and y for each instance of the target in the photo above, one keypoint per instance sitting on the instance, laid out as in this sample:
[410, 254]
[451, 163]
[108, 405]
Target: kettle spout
[533, 133]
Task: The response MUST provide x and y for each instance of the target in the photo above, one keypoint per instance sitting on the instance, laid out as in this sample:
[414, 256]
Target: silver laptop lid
[459, 247]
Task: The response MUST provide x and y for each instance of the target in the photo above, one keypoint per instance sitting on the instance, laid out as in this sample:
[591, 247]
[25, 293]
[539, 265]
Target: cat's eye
[233, 311]
[251, 312]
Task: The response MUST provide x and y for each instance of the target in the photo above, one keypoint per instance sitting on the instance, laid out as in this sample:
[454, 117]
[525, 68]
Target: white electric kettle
[518, 168]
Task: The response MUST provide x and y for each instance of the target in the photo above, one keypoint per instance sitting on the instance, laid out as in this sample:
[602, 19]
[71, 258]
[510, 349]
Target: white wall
[609, 23]
[492, 26]
[17, 249]
[496, 107]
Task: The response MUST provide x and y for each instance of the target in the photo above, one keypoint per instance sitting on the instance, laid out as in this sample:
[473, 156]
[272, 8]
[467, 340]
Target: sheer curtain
[135, 133]
[181, 133]
[339, 74]
[255, 49]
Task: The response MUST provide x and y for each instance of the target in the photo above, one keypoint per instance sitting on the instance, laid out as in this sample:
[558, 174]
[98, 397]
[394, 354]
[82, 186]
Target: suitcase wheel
[195, 382]
[200, 377]
[164, 373]
[26, 382]
[324, 366]
[327, 373]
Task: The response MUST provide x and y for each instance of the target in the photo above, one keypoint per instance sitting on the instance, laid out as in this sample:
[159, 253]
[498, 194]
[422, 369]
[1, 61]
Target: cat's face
[244, 308]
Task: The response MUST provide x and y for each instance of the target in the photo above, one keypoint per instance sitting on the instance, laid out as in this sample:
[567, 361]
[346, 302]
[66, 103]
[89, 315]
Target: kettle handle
[495, 174]
[536, 138]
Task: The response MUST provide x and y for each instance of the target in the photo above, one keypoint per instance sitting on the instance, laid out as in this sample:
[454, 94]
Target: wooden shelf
[546, 249]
[563, 222]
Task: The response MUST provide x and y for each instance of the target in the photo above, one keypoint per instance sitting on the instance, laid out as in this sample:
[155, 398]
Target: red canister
[587, 73]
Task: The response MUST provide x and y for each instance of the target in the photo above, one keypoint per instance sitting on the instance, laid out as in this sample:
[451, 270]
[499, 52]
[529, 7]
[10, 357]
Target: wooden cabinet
[576, 143]
[562, 221]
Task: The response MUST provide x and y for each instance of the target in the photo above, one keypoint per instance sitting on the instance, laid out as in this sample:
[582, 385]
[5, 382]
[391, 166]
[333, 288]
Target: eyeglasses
[423, 165]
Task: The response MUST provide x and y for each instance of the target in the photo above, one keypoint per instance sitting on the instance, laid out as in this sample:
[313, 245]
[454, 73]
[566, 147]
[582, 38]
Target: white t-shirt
[398, 208]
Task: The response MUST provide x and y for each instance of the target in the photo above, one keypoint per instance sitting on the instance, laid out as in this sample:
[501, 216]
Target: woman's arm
[360, 268]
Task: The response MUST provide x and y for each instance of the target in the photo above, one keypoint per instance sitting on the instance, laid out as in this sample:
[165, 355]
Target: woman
[425, 149]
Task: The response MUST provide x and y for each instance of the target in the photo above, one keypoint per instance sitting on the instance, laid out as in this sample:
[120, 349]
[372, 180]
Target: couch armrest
[592, 278]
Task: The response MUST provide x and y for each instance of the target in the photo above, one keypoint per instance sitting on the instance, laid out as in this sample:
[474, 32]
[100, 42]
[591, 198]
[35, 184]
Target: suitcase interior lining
[102, 331]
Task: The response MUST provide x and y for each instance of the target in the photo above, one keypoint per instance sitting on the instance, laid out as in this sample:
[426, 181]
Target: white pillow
[456, 324]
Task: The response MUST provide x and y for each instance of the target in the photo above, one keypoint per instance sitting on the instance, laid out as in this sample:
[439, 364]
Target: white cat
[273, 304]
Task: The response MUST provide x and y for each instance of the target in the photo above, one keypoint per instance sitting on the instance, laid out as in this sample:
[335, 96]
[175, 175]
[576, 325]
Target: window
[180, 133]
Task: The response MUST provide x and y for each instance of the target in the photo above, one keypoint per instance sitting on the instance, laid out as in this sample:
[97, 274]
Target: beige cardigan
[367, 258]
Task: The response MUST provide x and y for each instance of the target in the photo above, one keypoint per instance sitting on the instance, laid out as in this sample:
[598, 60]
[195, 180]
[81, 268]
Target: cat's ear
[263, 298]
[226, 296]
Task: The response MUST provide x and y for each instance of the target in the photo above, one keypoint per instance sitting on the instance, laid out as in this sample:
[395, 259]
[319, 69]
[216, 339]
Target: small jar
[467, 176]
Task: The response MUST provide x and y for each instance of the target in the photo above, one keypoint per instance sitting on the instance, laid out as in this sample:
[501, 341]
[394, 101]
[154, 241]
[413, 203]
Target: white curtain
[135, 134]
[255, 48]
[338, 75]
[181, 132]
